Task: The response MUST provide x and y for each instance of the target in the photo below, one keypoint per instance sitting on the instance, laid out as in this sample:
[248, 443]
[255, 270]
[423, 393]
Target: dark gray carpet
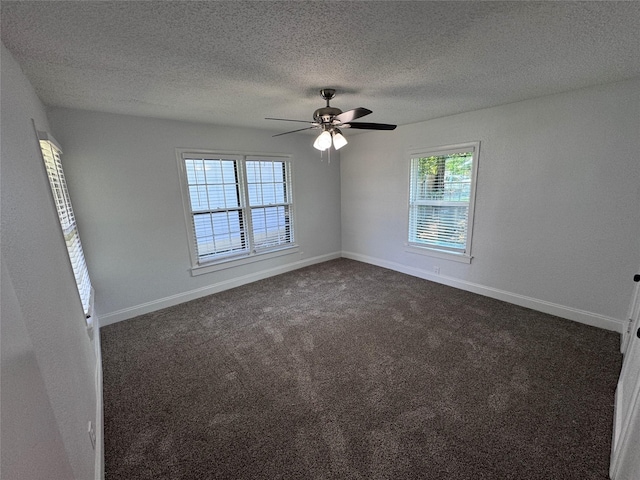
[345, 370]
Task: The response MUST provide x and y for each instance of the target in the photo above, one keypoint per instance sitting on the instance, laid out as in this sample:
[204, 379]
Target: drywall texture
[222, 62]
[122, 174]
[31, 443]
[557, 204]
[48, 389]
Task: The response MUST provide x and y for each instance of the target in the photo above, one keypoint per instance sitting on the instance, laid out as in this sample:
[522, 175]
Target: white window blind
[51, 154]
[442, 185]
[219, 223]
[238, 205]
[270, 202]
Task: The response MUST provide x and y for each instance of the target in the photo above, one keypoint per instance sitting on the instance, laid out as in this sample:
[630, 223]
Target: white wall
[48, 392]
[557, 225]
[123, 177]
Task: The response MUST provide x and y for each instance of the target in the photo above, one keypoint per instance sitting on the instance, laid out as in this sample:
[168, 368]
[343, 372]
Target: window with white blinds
[238, 205]
[51, 154]
[268, 187]
[442, 190]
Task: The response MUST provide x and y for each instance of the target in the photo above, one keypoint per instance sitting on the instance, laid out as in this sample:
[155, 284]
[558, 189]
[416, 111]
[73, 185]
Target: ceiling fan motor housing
[326, 114]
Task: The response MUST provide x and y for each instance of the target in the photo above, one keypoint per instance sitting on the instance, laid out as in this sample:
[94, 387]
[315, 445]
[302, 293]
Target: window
[441, 198]
[51, 154]
[238, 206]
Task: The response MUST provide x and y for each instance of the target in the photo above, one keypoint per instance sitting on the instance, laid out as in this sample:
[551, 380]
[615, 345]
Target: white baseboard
[582, 316]
[570, 313]
[126, 313]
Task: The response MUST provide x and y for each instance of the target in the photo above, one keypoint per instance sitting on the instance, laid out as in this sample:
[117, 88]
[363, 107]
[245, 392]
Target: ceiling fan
[330, 120]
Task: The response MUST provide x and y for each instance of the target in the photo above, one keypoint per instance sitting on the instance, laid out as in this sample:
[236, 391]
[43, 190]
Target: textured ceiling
[236, 62]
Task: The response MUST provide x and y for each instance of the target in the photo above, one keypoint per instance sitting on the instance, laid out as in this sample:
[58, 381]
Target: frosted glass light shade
[323, 141]
[338, 140]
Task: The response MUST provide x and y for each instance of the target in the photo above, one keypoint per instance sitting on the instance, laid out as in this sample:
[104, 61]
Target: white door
[625, 451]
[634, 313]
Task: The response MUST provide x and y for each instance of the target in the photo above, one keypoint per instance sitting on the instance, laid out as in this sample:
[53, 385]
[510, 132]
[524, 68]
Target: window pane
[253, 173]
[271, 226]
[442, 226]
[229, 171]
[268, 194]
[255, 194]
[213, 170]
[279, 193]
[198, 196]
[266, 169]
[190, 171]
[203, 226]
[195, 171]
[231, 199]
[457, 176]
[53, 165]
[445, 177]
[219, 233]
[266, 182]
[440, 194]
[214, 195]
[212, 184]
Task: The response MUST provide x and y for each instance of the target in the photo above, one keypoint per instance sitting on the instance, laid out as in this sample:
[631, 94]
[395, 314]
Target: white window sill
[218, 265]
[434, 252]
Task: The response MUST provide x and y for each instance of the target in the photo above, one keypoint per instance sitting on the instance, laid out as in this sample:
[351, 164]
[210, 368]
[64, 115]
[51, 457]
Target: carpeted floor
[345, 370]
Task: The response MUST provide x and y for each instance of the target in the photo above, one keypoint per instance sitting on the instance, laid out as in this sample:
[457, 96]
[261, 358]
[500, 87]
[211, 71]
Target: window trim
[246, 257]
[77, 260]
[434, 251]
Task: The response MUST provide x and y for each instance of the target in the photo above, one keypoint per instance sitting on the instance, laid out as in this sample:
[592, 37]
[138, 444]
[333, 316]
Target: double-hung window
[51, 154]
[441, 200]
[237, 206]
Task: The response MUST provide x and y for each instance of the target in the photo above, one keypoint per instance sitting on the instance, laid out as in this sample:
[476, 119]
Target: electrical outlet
[92, 434]
[436, 270]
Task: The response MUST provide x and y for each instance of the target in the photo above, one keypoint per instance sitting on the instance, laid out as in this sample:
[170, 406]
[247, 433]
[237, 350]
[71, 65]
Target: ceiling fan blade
[293, 131]
[369, 126]
[346, 117]
[288, 120]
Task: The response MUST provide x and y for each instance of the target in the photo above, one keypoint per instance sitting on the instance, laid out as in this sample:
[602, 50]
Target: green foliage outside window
[454, 164]
[444, 177]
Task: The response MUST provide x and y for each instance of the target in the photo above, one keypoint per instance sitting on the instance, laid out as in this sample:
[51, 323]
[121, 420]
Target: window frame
[465, 255]
[52, 163]
[251, 253]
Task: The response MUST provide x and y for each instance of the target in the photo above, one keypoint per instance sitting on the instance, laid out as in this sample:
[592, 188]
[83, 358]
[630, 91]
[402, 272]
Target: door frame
[626, 423]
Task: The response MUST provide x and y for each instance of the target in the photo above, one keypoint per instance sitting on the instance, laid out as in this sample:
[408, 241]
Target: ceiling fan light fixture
[323, 141]
[329, 118]
[338, 139]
